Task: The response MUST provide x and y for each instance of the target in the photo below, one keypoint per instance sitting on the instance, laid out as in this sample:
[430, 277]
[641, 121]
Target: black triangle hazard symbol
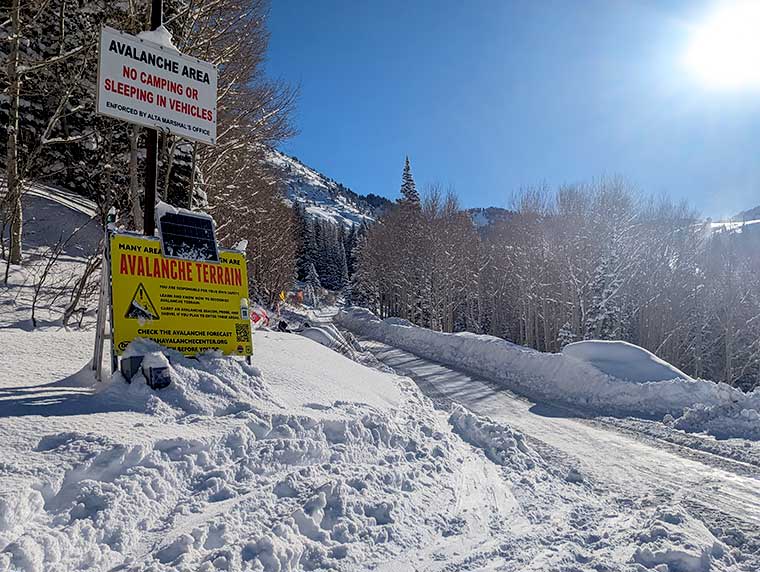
[141, 308]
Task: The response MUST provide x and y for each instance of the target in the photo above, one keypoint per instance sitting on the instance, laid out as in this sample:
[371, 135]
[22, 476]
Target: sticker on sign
[148, 84]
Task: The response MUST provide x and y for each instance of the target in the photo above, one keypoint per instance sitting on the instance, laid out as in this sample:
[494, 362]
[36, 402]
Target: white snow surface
[623, 361]
[675, 541]
[297, 464]
[163, 208]
[308, 460]
[580, 377]
[732, 225]
[305, 461]
[652, 470]
[161, 36]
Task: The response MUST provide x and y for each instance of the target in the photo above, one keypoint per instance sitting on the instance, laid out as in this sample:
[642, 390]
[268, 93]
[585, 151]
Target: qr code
[243, 332]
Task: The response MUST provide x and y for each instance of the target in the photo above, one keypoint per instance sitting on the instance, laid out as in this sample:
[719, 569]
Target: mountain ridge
[749, 214]
[326, 198]
[322, 196]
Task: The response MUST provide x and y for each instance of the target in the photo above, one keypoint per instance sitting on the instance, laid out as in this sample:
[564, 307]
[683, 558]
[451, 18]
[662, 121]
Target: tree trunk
[14, 183]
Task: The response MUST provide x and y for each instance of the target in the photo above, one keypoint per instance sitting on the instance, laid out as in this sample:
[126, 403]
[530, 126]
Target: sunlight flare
[724, 51]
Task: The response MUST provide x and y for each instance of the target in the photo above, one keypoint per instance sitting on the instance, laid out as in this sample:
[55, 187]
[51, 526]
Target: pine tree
[312, 277]
[305, 237]
[409, 194]
[604, 320]
[565, 335]
[349, 242]
[315, 247]
[313, 285]
[343, 279]
[364, 285]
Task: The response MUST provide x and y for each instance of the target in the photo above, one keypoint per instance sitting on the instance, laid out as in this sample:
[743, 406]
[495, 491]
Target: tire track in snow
[723, 493]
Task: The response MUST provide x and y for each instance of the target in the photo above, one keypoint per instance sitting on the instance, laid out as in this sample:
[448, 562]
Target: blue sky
[492, 95]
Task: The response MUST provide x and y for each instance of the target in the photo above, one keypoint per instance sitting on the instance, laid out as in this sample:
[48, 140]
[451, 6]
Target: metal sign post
[151, 144]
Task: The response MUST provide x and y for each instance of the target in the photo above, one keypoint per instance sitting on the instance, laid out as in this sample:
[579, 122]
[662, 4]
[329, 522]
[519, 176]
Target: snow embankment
[307, 461]
[581, 377]
[623, 361]
[676, 541]
[499, 442]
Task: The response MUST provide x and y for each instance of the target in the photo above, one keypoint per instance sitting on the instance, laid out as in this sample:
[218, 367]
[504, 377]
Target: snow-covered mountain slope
[323, 197]
[745, 221]
[483, 217]
[749, 214]
[738, 226]
[56, 224]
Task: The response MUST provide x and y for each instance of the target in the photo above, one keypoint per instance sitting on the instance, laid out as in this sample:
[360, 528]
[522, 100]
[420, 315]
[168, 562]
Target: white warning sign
[156, 86]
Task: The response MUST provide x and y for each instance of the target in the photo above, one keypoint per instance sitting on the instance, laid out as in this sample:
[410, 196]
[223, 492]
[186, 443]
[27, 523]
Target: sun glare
[725, 48]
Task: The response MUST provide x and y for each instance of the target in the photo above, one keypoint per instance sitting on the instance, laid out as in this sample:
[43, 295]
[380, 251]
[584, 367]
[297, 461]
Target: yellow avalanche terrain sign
[188, 305]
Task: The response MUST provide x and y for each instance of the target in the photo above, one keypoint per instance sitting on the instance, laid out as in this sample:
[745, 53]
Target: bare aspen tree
[597, 261]
[13, 198]
[16, 72]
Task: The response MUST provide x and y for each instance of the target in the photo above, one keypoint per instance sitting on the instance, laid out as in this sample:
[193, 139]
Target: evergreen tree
[315, 246]
[565, 335]
[304, 236]
[409, 194]
[364, 283]
[349, 243]
[312, 277]
[331, 259]
[343, 279]
[313, 285]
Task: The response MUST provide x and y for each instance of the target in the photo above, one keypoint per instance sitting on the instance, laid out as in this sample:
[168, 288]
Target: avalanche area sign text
[148, 84]
[187, 305]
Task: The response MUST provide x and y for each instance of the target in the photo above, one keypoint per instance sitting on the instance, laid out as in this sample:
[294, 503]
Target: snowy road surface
[723, 494]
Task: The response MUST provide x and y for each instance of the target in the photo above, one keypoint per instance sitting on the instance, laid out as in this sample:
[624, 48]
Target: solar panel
[190, 236]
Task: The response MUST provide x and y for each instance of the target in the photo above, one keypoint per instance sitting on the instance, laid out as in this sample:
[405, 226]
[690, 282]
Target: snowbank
[309, 461]
[623, 361]
[676, 541]
[210, 385]
[580, 377]
[724, 420]
[329, 336]
[499, 442]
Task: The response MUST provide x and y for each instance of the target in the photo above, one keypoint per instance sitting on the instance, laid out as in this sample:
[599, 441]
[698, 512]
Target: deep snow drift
[580, 377]
[623, 361]
[227, 468]
[306, 461]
